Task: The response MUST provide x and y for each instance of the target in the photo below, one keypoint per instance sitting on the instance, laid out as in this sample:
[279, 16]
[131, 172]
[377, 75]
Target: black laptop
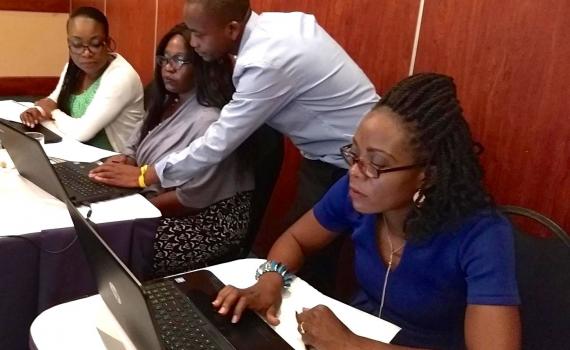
[170, 313]
[49, 136]
[32, 163]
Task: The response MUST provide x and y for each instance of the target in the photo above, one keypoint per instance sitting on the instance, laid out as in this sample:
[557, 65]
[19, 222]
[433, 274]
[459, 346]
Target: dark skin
[80, 31]
[212, 38]
[381, 140]
[123, 171]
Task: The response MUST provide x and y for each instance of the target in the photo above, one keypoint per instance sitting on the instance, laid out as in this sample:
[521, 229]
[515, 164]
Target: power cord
[31, 241]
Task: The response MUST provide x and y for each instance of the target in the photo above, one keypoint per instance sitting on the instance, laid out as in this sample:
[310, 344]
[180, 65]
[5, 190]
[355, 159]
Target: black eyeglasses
[368, 169]
[175, 62]
[78, 47]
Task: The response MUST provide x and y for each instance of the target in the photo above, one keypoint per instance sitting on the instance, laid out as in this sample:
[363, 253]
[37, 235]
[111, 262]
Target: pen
[21, 104]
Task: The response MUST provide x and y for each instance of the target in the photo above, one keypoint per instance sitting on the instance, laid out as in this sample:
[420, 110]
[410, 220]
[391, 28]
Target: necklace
[390, 260]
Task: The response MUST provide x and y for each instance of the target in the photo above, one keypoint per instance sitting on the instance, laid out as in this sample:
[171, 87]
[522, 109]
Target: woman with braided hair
[432, 255]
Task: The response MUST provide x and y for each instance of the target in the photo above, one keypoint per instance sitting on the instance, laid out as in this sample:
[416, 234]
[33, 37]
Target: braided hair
[453, 189]
[74, 75]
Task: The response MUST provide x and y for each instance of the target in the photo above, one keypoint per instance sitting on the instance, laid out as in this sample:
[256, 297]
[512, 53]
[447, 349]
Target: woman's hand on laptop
[263, 297]
[116, 174]
[38, 113]
[121, 159]
[31, 117]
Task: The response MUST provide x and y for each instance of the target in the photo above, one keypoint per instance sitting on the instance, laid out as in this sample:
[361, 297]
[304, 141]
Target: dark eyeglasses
[175, 62]
[368, 169]
[78, 48]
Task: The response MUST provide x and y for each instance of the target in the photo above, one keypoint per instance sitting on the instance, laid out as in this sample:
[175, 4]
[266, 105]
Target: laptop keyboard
[77, 181]
[179, 322]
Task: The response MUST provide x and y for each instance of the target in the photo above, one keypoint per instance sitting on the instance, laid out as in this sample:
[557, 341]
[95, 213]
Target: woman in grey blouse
[208, 215]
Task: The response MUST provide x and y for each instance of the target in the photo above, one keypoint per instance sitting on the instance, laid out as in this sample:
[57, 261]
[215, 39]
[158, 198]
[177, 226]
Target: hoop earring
[419, 198]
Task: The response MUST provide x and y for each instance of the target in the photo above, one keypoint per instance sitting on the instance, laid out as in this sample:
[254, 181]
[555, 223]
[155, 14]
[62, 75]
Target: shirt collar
[249, 27]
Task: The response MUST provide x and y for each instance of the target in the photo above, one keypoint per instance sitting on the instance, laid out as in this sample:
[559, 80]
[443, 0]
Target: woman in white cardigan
[99, 97]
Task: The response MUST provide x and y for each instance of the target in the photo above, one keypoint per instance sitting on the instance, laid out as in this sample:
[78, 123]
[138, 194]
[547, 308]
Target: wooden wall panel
[31, 86]
[377, 34]
[99, 4]
[60, 6]
[132, 25]
[170, 12]
[510, 62]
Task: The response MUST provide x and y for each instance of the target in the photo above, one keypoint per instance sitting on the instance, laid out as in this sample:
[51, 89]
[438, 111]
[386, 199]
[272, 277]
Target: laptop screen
[118, 287]
[31, 161]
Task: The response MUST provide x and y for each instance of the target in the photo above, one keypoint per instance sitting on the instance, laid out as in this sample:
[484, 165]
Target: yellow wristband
[141, 176]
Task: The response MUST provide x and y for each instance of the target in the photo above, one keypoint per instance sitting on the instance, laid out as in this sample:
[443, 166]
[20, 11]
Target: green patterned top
[78, 105]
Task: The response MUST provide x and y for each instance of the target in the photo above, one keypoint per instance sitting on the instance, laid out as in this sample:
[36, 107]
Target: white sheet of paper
[305, 296]
[359, 322]
[77, 152]
[11, 110]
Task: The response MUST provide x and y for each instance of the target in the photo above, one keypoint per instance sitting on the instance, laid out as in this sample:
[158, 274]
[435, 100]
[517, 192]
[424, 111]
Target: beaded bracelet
[274, 266]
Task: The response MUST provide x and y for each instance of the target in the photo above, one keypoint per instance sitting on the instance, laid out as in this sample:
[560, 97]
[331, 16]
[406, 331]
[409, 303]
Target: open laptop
[49, 136]
[170, 313]
[32, 163]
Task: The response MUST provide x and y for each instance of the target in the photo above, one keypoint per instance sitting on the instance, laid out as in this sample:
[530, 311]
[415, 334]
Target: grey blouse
[190, 121]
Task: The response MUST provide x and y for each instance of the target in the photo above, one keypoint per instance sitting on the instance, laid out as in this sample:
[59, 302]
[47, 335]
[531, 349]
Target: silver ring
[301, 328]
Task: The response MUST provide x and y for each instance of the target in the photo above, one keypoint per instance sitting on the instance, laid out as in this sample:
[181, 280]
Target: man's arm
[261, 93]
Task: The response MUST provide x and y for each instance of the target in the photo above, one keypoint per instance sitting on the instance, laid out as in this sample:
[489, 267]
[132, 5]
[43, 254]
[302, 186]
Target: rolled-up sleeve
[261, 92]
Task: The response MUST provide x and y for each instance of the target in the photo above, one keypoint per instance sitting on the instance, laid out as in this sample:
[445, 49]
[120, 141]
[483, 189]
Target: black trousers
[315, 179]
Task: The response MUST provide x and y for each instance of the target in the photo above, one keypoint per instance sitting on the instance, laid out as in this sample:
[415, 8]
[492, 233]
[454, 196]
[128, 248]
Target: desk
[32, 222]
[88, 324]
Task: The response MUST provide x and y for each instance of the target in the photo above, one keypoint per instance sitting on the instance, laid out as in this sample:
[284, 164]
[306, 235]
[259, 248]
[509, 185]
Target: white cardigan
[117, 106]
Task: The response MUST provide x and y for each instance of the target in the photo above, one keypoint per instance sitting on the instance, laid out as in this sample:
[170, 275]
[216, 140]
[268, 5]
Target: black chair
[543, 275]
[268, 146]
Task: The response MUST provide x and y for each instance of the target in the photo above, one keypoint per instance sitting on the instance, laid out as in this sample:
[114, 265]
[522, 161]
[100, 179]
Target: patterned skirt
[190, 242]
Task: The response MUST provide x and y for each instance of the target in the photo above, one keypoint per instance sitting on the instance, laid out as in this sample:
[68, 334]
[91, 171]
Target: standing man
[290, 74]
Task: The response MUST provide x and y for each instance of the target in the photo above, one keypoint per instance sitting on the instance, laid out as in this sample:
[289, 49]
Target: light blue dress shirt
[292, 75]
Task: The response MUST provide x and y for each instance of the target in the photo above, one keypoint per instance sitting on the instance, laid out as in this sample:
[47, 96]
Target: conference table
[88, 324]
[41, 262]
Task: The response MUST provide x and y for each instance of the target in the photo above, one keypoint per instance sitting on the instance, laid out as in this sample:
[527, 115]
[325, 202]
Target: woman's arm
[321, 329]
[169, 205]
[300, 240]
[486, 327]
[492, 327]
[304, 238]
[33, 116]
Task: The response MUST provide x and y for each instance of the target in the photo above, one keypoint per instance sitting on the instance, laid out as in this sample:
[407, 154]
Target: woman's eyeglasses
[368, 169]
[78, 48]
[175, 62]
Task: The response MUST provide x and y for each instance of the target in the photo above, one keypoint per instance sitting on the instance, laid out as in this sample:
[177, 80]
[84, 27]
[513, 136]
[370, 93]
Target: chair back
[266, 148]
[543, 276]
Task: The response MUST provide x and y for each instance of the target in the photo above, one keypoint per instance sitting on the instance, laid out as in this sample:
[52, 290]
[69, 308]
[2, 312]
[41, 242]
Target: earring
[419, 197]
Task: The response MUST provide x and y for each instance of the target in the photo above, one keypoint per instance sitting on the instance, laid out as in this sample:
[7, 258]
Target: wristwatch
[274, 266]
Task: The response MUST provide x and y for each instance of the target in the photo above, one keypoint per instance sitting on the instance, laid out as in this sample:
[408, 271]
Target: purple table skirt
[33, 279]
